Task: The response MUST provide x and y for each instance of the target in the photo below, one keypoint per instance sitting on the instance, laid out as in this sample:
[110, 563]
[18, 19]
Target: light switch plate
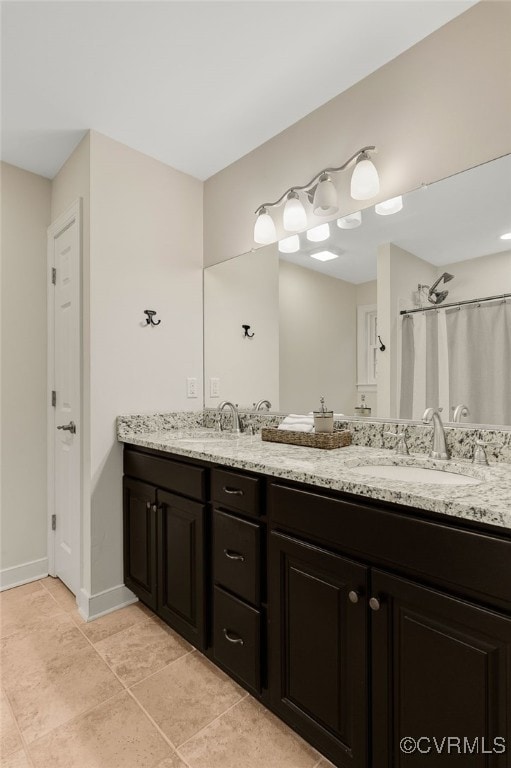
[214, 387]
[191, 386]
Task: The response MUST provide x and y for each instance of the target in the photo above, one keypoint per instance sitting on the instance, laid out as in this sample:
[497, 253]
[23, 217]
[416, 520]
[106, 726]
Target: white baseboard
[92, 607]
[23, 574]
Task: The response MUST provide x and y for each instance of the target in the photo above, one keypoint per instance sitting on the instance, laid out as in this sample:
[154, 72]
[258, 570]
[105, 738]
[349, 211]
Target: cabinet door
[181, 566]
[140, 540]
[441, 668]
[318, 647]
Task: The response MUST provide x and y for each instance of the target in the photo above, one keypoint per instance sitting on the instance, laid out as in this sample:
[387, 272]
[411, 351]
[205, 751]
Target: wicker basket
[326, 440]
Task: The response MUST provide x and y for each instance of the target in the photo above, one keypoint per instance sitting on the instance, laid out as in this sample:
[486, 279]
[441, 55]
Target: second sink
[409, 474]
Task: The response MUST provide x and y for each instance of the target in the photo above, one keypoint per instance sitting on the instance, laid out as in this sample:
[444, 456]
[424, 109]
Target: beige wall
[70, 184]
[436, 109]
[146, 253]
[244, 290]
[476, 278]
[25, 210]
[399, 273]
[317, 340]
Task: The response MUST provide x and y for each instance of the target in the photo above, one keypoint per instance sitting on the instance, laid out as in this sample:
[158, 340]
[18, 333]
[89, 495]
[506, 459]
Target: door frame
[64, 221]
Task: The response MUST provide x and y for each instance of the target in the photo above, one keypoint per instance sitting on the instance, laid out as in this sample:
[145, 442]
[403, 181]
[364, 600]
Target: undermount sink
[409, 474]
[205, 437]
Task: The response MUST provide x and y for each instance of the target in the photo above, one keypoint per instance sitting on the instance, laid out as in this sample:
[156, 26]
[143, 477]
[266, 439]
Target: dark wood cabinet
[359, 623]
[181, 558]
[441, 668]
[319, 647]
[140, 540]
[164, 541]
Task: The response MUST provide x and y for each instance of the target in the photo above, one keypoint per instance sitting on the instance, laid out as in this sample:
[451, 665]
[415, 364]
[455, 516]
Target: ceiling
[455, 219]
[194, 84]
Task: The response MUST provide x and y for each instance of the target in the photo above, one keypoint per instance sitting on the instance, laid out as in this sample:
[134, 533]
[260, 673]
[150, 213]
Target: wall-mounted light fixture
[321, 193]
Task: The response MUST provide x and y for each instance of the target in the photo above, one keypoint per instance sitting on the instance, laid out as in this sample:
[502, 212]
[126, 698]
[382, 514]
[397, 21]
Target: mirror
[319, 316]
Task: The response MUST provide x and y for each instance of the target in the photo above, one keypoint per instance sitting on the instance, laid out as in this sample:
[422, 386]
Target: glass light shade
[365, 182]
[318, 234]
[295, 217]
[289, 244]
[388, 207]
[506, 236]
[324, 255]
[351, 221]
[325, 198]
[264, 229]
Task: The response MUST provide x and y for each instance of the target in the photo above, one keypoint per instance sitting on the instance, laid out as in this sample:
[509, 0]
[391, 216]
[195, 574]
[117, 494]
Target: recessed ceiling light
[324, 255]
[318, 234]
[388, 207]
[289, 244]
[507, 236]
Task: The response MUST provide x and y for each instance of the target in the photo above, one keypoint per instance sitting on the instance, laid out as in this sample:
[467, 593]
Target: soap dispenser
[363, 409]
[323, 419]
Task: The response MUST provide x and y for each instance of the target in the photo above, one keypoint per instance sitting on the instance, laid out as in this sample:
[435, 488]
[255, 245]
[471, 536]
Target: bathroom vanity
[360, 612]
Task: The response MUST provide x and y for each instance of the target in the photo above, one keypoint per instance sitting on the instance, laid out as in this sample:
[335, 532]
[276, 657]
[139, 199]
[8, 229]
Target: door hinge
[54, 522]
[54, 275]
[53, 398]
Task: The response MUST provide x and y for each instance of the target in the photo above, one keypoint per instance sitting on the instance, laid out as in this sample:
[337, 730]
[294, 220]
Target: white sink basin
[409, 474]
[204, 437]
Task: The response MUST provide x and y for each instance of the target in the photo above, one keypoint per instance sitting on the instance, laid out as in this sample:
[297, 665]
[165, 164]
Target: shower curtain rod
[456, 304]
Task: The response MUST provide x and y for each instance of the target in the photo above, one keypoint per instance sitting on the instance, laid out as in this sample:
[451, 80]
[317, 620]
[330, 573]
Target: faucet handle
[401, 447]
[480, 456]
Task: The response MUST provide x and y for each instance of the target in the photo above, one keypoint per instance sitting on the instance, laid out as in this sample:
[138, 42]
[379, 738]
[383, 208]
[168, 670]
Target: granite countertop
[488, 502]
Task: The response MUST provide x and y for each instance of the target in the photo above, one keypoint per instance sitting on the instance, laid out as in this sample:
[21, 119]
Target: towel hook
[246, 328]
[382, 345]
[150, 317]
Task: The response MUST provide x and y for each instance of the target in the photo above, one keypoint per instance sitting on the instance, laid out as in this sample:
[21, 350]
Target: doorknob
[71, 427]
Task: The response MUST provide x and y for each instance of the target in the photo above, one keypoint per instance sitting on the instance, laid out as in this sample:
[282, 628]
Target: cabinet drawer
[237, 638]
[237, 555]
[232, 489]
[474, 563]
[167, 473]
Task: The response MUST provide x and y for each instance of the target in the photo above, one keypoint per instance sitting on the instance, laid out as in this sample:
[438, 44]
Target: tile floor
[124, 691]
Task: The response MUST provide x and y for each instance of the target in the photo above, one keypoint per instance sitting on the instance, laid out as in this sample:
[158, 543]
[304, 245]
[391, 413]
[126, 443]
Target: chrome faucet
[459, 411]
[236, 426]
[439, 448]
[259, 405]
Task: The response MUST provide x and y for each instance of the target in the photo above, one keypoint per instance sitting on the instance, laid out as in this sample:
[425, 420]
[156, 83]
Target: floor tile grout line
[144, 679]
[218, 717]
[112, 670]
[24, 743]
[66, 723]
[155, 724]
[117, 631]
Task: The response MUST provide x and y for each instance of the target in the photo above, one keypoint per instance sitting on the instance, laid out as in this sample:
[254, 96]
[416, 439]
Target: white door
[65, 420]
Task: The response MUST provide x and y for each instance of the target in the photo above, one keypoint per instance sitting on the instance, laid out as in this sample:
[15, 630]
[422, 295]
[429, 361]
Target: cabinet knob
[148, 505]
[353, 596]
[231, 637]
[155, 507]
[374, 604]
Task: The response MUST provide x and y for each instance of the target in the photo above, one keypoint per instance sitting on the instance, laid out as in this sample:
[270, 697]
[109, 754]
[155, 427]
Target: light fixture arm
[316, 178]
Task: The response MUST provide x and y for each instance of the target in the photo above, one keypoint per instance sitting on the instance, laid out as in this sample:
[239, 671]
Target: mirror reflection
[391, 309]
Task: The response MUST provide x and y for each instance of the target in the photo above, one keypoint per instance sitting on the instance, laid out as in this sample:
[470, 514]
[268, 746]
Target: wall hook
[150, 317]
[246, 328]
[382, 345]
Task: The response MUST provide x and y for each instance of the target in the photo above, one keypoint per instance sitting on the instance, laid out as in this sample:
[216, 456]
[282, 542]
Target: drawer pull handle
[234, 555]
[232, 639]
[232, 491]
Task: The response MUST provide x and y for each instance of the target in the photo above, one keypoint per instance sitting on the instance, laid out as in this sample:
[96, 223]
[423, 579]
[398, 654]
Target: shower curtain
[458, 355]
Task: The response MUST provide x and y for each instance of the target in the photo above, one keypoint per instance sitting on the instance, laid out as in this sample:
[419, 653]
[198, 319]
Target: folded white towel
[296, 427]
[307, 416]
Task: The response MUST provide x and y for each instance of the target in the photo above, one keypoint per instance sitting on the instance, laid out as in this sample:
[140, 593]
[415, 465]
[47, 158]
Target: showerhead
[436, 297]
